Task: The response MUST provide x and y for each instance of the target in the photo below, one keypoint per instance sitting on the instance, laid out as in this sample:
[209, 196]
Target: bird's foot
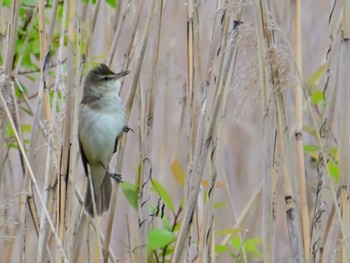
[116, 177]
[127, 129]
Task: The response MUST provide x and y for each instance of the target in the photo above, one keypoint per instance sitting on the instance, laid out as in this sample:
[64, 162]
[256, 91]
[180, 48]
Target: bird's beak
[121, 74]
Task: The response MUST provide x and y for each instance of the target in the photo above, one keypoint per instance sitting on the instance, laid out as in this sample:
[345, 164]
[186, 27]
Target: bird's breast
[99, 126]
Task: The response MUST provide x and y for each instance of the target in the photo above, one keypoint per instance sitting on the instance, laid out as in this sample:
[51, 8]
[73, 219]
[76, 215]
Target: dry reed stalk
[187, 120]
[344, 127]
[69, 142]
[34, 181]
[291, 198]
[74, 154]
[52, 22]
[116, 37]
[200, 116]
[305, 221]
[290, 190]
[11, 36]
[198, 170]
[326, 133]
[81, 222]
[248, 208]
[268, 222]
[121, 145]
[17, 122]
[52, 143]
[44, 57]
[332, 80]
[144, 217]
[2, 32]
[331, 182]
[30, 27]
[332, 187]
[205, 253]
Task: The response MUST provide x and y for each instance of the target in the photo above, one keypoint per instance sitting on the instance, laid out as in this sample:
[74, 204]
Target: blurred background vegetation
[240, 149]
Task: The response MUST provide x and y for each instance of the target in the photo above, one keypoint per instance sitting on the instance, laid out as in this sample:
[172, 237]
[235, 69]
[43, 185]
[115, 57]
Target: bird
[102, 119]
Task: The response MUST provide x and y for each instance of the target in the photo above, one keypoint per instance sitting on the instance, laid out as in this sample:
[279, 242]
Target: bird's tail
[103, 192]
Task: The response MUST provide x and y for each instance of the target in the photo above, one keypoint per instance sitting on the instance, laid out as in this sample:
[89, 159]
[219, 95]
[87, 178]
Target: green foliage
[6, 3]
[315, 94]
[236, 245]
[59, 98]
[112, 3]
[10, 135]
[130, 193]
[250, 246]
[163, 194]
[317, 100]
[159, 238]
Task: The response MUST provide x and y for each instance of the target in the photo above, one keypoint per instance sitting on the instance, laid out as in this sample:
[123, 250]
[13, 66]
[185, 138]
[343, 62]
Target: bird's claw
[116, 177]
[127, 129]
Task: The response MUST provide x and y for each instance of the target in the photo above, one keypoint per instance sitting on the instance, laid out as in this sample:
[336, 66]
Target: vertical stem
[268, 221]
[146, 168]
[305, 221]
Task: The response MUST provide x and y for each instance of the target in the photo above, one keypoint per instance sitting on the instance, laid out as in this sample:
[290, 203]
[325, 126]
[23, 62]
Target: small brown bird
[101, 121]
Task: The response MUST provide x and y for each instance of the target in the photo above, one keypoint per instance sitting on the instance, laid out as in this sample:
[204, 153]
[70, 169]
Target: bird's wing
[83, 158]
[116, 144]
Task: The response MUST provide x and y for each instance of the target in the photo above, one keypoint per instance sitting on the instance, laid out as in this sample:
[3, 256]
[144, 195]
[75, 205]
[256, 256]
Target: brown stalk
[344, 127]
[117, 32]
[187, 119]
[268, 222]
[130, 99]
[207, 226]
[11, 97]
[144, 218]
[289, 186]
[305, 221]
[198, 174]
[333, 192]
[74, 151]
[64, 209]
[52, 142]
[31, 174]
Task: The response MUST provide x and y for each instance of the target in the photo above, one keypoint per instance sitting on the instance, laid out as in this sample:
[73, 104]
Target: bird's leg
[115, 177]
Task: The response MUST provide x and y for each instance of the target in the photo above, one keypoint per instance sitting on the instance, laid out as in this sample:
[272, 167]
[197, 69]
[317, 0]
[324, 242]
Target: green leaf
[89, 1]
[26, 110]
[310, 148]
[317, 96]
[36, 46]
[26, 141]
[9, 131]
[158, 238]
[334, 170]
[169, 250]
[26, 128]
[130, 193]
[251, 246]
[166, 223]
[231, 231]
[317, 75]
[221, 248]
[30, 2]
[236, 242]
[112, 3]
[6, 3]
[162, 192]
[219, 205]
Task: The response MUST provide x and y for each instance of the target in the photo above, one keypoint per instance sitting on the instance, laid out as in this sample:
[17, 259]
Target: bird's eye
[105, 78]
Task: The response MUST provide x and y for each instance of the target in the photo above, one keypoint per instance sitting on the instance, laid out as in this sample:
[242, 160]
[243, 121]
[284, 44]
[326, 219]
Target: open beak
[121, 74]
